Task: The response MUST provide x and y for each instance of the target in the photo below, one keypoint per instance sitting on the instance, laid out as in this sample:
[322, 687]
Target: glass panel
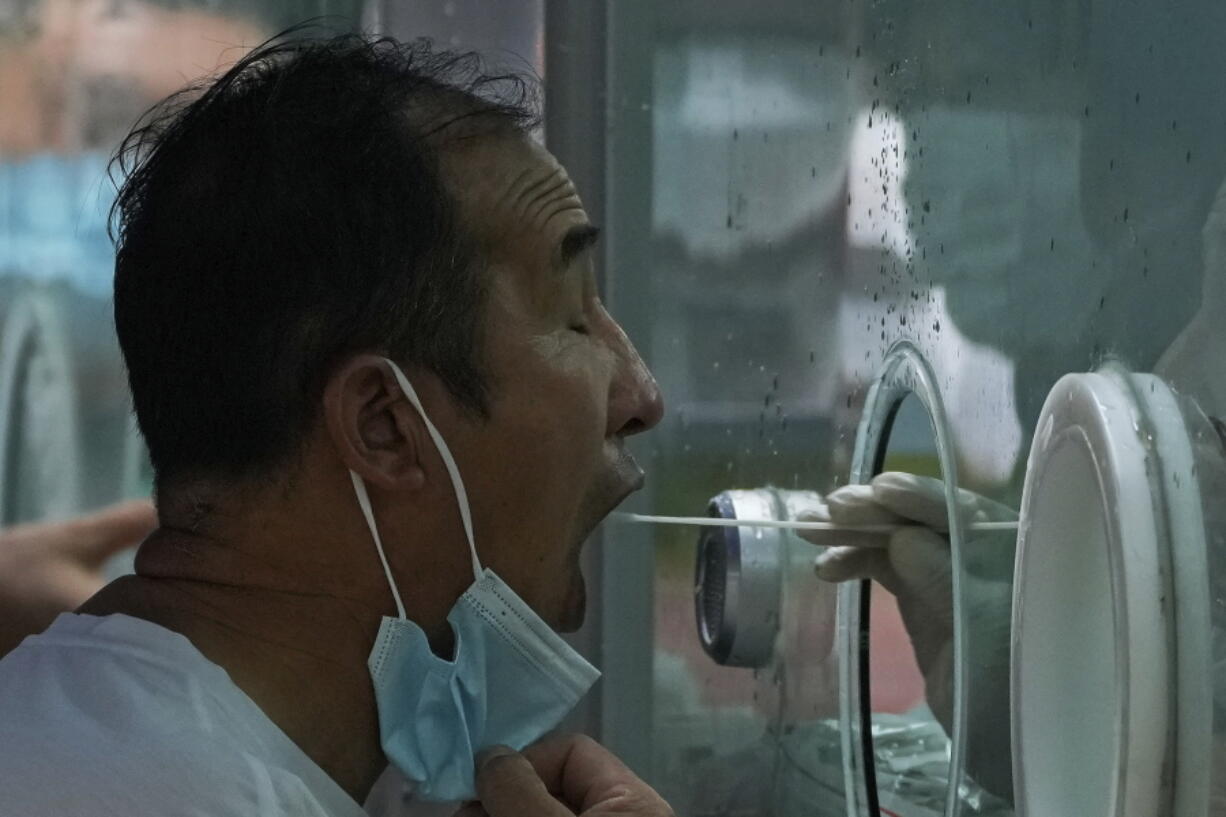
[508, 33]
[746, 373]
[1021, 190]
[984, 608]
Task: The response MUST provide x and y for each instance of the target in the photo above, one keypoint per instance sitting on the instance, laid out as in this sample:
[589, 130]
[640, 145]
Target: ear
[373, 427]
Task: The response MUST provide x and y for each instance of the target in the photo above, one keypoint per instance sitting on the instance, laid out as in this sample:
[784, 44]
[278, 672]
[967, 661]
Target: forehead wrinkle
[532, 186]
[516, 184]
[560, 209]
[562, 193]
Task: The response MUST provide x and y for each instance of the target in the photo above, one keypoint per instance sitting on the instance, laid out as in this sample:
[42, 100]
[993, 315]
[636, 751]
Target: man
[358, 310]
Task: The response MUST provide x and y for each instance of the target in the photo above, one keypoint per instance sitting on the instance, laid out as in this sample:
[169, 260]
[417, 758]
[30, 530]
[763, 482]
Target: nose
[635, 402]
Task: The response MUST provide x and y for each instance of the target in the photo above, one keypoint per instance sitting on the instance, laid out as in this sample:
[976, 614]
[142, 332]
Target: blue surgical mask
[511, 678]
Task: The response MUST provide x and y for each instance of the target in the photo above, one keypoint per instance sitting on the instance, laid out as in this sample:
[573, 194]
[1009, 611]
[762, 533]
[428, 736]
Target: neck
[276, 594]
[269, 637]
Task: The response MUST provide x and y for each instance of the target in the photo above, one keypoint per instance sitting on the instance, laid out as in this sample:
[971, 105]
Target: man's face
[567, 386]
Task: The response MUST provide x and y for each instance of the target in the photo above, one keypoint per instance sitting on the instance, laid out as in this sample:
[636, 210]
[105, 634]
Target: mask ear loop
[359, 488]
[448, 461]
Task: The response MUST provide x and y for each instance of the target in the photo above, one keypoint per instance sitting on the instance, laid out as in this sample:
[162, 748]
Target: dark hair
[285, 217]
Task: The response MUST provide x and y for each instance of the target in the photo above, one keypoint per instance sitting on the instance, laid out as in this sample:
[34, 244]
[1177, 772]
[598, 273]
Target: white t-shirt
[115, 715]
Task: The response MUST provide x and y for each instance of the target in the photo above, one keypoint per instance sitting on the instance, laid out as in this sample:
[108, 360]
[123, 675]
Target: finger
[823, 538]
[586, 774]
[509, 786]
[854, 506]
[858, 505]
[575, 767]
[988, 510]
[838, 537]
[472, 810]
[96, 537]
[850, 563]
[921, 561]
[922, 499]
[913, 497]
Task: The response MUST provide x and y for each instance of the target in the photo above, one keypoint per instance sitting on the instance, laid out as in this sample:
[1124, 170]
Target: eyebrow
[577, 240]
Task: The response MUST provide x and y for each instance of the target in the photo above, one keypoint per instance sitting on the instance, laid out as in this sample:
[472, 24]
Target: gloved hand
[914, 564]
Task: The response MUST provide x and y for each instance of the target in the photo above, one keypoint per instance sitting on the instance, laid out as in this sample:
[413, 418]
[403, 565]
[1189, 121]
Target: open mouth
[629, 486]
[626, 478]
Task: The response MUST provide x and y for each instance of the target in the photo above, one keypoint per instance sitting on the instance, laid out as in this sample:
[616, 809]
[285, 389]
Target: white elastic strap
[448, 461]
[359, 487]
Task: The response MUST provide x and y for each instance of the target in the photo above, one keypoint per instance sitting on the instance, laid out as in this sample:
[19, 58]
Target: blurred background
[787, 188]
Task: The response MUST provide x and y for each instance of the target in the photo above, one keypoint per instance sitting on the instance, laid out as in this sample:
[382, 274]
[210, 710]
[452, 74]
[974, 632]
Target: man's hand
[47, 568]
[561, 776]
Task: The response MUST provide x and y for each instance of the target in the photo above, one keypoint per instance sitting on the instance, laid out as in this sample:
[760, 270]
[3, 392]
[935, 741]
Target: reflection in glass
[747, 370]
[75, 75]
[39, 437]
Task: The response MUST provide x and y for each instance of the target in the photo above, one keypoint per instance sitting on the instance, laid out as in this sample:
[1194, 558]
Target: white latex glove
[913, 563]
